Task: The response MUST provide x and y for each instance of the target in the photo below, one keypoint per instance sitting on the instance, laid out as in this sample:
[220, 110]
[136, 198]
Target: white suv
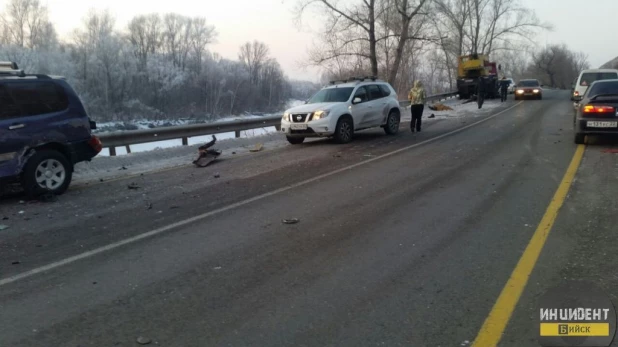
[343, 108]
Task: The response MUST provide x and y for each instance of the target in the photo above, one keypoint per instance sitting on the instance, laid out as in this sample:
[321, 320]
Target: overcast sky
[271, 21]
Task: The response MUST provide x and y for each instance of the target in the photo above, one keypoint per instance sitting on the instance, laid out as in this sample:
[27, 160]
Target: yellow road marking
[493, 327]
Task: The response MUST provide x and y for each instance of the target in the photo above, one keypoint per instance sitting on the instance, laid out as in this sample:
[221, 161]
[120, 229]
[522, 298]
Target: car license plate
[602, 124]
[298, 126]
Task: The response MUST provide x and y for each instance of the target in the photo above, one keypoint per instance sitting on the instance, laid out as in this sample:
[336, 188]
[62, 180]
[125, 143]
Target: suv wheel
[344, 130]
[392, 123]
[47, 171]
[295, 140]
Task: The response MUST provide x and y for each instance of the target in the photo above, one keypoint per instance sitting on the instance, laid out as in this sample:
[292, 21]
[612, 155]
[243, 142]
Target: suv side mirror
[357, 100]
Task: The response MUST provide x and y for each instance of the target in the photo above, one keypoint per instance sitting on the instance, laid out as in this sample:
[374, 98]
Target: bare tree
[26, 24]
[253, 55]
[558, 65]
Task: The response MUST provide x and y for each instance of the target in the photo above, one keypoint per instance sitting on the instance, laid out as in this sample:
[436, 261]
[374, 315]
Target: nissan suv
[44, 131]
[341, 109]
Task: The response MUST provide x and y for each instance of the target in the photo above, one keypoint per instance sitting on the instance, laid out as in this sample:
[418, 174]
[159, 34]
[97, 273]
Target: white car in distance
[341, 109]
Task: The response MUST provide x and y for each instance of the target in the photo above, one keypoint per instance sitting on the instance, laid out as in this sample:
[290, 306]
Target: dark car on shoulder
[597, 112]
[529, 89]
[44, 131]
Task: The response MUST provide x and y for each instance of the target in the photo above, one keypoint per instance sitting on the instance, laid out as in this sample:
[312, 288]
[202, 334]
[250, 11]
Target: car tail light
[96, 144]
[576, 93]
[598, 109]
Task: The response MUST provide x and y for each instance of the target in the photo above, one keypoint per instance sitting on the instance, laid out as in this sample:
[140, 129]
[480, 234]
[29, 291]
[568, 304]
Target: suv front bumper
[315, 128]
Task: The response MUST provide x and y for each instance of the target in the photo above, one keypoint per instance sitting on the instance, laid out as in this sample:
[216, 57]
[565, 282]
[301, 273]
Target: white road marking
[154, 232]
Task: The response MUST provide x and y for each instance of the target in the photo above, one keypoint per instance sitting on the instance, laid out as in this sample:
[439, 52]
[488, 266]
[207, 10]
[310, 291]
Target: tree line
[158, 66]
[405, 40]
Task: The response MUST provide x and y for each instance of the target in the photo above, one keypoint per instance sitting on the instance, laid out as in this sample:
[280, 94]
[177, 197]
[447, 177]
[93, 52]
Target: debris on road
[133, 185]
[258, 147]
[217, 175]
[439, 107]
[610, 150]
[432, 116]
[206, 154]
[122, 168]
[3, 226]
[21, 212]
[15, 263]
[48, 197]
[290, 221]
[149, 206]
[143, 340]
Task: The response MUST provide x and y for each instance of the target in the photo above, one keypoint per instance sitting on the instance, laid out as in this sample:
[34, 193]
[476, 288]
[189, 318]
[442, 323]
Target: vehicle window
[603, 88]
[8, 107]
[589, 77]
[361, 92]
[529, 83]
[37, 98]
[332, 95]
[374, 91]
[386, 91]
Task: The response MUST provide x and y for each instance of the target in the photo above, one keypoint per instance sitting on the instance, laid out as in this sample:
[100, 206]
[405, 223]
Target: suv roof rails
[9, 69]
[359, 79]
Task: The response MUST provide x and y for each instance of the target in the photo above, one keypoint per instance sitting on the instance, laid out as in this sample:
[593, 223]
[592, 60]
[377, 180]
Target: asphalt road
[406, 248]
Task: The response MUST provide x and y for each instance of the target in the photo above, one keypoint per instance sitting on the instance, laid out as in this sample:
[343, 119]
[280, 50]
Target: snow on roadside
[106, 167]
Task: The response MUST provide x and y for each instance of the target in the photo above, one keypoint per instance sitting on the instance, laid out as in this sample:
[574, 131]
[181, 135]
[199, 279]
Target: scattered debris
[217, 268]
[337, 155]
[15, 263]
[149, 206]
[217, 175]
[38, 246]
[610, 150]
[122, 168]
[439, 107]
[133, 185]
[143, 340]
[206, 154]
[94, 282]
[174, 207]
[233, 152]
[5, 218]
[21, 212]
[258, 147]
[432, 116]
[290, 221]
[3, 227]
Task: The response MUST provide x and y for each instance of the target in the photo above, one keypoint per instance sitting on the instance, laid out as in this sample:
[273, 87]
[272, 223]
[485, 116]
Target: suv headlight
[286, 117]
[320, 114]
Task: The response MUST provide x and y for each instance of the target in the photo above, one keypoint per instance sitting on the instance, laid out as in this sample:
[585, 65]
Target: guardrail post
[128, 147]
[185, 141]
[237, 133]
[112, 151]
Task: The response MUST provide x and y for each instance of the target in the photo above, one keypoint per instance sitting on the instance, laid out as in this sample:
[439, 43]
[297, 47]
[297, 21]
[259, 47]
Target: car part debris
[143, 340]
[133, 185]
[206, 154]
[290, 221]
[3, 227]
[257, 148]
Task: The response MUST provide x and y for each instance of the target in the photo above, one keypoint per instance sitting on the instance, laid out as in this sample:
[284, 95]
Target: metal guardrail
[133, 137]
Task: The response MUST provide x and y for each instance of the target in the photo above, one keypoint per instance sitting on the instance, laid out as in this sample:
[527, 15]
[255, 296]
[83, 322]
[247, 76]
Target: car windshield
[332, 95]
[589, 77]
[528, 83]
[603, 88]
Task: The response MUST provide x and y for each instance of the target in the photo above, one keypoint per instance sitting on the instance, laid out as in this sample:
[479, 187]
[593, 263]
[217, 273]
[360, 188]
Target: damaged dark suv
[44, 131]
